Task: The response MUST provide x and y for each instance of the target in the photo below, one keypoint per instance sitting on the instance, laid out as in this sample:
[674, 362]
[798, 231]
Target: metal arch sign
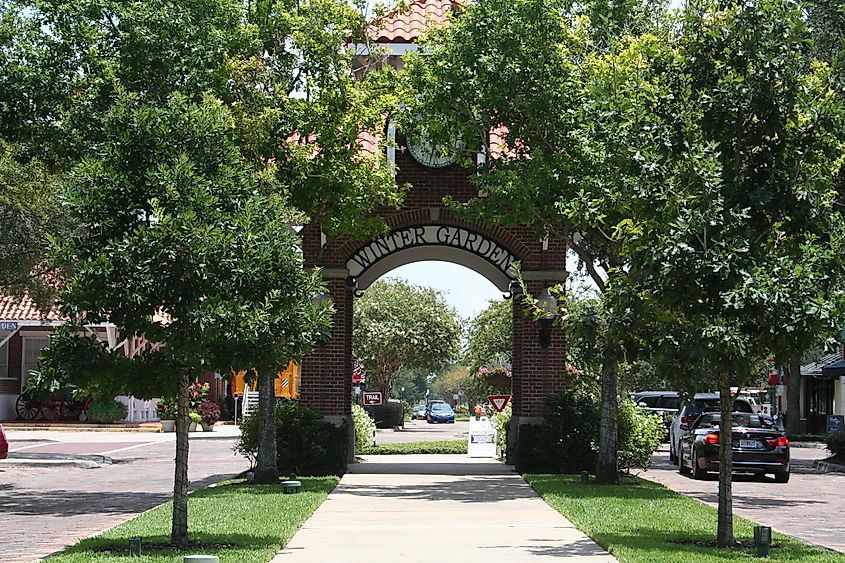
[431, 235]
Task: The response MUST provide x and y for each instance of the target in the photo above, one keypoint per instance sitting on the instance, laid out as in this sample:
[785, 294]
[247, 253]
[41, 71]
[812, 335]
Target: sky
[466, 291]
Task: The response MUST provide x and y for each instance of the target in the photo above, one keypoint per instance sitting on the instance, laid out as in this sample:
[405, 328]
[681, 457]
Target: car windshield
[740, 419]
[440, 407]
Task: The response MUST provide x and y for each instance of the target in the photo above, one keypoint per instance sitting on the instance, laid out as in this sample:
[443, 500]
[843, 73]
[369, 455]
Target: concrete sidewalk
[436, 508]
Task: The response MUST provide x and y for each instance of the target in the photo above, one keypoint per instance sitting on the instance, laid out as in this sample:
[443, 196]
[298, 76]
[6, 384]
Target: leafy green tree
[739, 237]
[399, 326]
[280, 70]
[561, 160]
[489, 336]
[452, 380]
[212, 275]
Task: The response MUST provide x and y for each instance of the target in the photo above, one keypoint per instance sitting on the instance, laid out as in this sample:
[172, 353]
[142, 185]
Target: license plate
[749, 444]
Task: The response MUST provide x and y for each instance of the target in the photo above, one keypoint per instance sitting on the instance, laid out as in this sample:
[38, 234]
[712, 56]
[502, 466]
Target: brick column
[537, 372]
[326, 382]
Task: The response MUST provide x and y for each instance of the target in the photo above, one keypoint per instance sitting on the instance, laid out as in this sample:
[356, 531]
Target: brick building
[425, 229]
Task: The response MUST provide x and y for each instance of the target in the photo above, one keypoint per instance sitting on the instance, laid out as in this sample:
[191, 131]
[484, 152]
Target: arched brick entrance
[424, 229]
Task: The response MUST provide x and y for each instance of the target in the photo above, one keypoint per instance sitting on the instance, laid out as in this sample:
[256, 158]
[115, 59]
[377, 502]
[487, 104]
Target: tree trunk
[607, 467]
[725, 529]
[179, 528]
[793, 397]
[266, 471]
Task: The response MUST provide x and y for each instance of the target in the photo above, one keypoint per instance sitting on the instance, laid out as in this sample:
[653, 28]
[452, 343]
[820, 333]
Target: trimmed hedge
[305, 443]
[445, 447]
[388, 415]
[106, 410]
[567, 440]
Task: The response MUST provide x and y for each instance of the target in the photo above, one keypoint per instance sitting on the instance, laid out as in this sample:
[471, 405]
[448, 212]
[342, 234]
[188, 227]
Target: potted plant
[210, 413]
[166, 410]
[195, 419]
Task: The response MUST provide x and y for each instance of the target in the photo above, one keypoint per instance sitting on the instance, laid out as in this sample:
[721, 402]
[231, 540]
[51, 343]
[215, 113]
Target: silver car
[690, 412]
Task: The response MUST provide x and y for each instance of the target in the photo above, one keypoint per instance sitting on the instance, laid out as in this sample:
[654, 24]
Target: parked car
[664, 403]
[418, 413]
[4, 443]
[758, 446]
[440, 412]
[690, 412]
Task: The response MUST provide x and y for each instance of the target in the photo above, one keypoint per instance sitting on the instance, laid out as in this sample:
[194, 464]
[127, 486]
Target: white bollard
[201, 559]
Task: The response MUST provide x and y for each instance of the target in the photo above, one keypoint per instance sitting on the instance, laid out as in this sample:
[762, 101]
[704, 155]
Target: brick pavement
[811, 506]
[43, 510]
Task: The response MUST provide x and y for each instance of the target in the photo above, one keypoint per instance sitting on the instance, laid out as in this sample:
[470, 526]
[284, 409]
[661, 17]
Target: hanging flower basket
[498, 377]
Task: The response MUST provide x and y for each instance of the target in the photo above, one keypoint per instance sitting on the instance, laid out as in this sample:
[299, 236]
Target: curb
[814, 445]
[827, 467]
[23, 459]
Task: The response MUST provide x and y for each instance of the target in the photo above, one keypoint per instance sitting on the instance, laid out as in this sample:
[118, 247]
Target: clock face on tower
[431, 155]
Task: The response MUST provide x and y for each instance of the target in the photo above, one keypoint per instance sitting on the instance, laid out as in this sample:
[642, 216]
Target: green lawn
[640, 521]
[444, 447]
[251, 521]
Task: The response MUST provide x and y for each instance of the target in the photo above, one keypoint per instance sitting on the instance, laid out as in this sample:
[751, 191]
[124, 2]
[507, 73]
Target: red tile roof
[409, 24]
[23, 308]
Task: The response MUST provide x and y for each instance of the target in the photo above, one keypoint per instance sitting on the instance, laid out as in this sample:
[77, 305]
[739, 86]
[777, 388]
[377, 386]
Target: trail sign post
[372, 398]
[499, 402]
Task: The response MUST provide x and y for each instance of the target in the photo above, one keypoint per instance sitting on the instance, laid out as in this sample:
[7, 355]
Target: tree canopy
[399, 326]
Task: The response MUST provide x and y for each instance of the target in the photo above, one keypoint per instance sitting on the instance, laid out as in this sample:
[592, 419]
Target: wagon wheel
[50, 409]
[84, 408]
[27, 409]
[73, 410]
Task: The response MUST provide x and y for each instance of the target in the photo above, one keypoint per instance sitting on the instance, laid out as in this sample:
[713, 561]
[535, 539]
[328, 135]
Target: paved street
[421, 431]
[45, 509]
[811, 506]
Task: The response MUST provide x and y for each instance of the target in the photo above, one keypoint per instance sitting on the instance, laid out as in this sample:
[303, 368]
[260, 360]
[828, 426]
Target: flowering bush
[167, 409]
[197, 394]
[209, 411]
[572, 371]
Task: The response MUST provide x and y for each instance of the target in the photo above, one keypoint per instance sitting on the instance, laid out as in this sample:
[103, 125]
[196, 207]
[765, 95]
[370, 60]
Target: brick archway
[424, 229]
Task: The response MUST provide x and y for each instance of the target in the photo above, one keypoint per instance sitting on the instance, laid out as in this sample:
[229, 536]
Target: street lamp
[548, 305]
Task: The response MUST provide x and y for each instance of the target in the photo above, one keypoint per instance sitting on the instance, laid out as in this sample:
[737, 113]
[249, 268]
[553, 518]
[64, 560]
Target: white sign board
[482, 439]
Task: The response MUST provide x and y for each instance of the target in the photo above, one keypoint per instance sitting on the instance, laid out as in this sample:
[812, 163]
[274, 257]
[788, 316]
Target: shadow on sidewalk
[472, 489]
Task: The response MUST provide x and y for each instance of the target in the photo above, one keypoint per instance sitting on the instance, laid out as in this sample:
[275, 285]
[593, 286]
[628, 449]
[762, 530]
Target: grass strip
[444, 447]
[235, 521]
[643, 522]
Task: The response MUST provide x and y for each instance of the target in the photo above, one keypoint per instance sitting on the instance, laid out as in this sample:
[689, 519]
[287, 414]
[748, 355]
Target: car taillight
[711, 439]
[779, 442]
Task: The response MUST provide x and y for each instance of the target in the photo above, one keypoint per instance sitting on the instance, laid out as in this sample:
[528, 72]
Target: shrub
[836, 444]
[210, 412]
[195, 417]
[305, 443]
[640, 434]
[567, 440]
[444, 447]
[388, 415]
[167, 409]
[461, 409]
[106, 410]
[364, 428]
[501, 421]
